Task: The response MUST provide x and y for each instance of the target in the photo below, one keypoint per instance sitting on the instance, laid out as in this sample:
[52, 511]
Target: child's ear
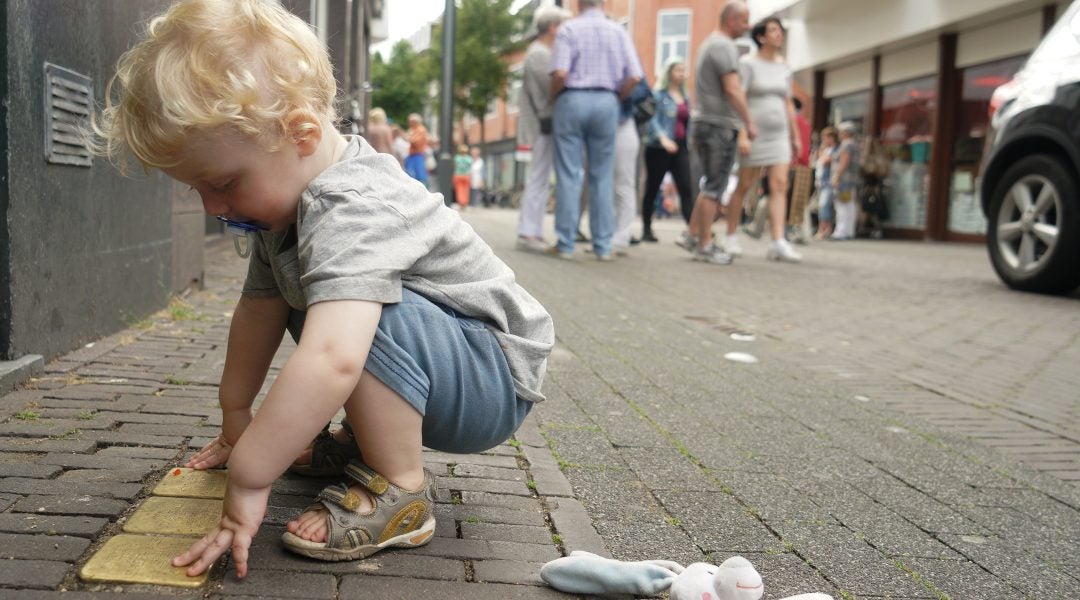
[304, 131]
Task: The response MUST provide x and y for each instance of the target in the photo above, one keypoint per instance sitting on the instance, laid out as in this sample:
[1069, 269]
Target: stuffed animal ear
[587, 573]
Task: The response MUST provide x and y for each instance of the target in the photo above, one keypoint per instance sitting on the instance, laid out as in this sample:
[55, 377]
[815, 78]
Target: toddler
[409, 320]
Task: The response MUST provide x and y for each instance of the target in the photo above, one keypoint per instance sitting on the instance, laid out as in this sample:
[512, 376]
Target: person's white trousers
[846, 213]
[627, 144]
[534, 199]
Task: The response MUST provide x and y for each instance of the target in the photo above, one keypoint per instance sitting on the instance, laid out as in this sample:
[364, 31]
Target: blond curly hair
[207, 66]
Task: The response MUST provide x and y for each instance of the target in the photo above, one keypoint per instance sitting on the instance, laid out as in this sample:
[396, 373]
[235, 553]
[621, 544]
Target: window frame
[662, 40]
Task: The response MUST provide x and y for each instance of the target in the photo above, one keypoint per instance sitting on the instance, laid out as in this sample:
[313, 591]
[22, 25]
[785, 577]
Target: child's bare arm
[254, 336]
[314, 383]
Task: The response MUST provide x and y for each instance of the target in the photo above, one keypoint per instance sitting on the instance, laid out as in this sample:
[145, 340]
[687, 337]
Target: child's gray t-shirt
[365, 229]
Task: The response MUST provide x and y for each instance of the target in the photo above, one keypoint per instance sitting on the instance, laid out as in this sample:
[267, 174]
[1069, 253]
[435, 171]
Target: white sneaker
[732, 246]
[781, 250]
[531, 244]
[687, 242]
[712, 254]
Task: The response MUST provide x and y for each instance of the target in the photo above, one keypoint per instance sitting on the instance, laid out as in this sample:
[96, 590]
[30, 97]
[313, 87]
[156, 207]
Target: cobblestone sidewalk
[82, 446]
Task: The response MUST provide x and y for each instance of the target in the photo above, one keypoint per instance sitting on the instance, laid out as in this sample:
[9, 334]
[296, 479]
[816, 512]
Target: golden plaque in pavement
[141, 559]
[175, 516]
[189, 483]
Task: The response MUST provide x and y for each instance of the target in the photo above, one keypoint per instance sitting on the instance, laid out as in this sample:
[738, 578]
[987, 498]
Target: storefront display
[978, 83]
[906, 135]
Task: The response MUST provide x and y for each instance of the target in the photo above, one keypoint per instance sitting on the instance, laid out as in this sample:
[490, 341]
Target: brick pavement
[824, 463]
[83, 445]
[826, 467]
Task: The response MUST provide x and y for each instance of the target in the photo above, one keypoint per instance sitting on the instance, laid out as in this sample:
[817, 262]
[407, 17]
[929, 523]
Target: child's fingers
[222, 538]
[240, 546]
[196, 549]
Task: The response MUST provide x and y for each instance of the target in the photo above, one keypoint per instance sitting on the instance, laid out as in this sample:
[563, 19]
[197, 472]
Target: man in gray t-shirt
[721, 111]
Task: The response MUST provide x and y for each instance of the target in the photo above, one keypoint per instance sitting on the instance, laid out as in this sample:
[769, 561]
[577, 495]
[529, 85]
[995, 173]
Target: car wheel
[1034, 226]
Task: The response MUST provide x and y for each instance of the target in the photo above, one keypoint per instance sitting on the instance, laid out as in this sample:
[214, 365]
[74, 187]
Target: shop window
[850, 107]
[972, 121]
[672, 36]
[906, 135]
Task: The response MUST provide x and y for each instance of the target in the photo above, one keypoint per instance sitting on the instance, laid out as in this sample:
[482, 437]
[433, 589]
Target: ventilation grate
[68, 102]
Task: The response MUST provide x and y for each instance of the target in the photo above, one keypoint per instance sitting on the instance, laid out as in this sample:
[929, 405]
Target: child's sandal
[329, 456]
[400, 518]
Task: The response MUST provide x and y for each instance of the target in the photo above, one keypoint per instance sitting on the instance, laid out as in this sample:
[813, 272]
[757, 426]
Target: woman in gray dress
[767, 80]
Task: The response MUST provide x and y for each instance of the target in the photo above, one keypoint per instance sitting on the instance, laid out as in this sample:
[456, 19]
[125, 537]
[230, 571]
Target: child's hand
[241, 514]
[213, 454]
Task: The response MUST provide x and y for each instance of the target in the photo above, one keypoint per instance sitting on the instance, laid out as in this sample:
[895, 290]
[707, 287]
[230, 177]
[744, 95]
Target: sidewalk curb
[14, 372]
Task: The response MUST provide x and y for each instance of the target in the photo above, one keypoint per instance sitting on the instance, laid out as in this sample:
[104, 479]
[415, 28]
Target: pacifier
[243, 232]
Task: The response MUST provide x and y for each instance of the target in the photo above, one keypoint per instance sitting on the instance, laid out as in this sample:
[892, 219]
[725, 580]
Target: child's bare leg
[388, 431]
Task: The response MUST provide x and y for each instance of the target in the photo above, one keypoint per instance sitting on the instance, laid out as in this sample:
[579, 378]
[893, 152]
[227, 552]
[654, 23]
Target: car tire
[1033, 233]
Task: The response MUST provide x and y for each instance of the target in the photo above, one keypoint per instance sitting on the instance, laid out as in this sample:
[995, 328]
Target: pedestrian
[419, 147]
[802, 179]
[378, 133]
[845, 183]
[400, 144]
[477, 186]
[409, 321]
[534, 128]
[823, 182]
[721, 113]
[462, 176]
[624, 179]
[767, 80]
[666, 145]
[593, 68]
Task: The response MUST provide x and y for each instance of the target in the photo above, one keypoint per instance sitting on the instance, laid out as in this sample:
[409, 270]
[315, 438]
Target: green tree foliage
[485, 30]
[401, 83]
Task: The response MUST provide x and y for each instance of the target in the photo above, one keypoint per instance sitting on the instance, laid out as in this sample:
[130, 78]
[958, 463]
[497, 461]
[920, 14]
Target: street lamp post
[446, 111]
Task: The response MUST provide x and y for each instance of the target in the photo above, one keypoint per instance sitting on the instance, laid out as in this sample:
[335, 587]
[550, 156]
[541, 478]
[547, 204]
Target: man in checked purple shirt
[593, 68]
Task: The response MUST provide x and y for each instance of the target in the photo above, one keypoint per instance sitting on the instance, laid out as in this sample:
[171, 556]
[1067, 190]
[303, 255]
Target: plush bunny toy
[587, 573]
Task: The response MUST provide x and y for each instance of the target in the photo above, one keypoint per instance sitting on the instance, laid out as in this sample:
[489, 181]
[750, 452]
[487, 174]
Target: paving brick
[77, 476]
[508, 571]
[475, 484]
[166, 430]
[470, 459]
[574, 525]
[32, 573]
[131, 439]
[501, 500]
[51, 525]
[95, 461]
[960, 579]
[148, 417]
[70, 505]
[33, 470]
[488, 514]
[164, 454]
[487, 549]
[7, 501]
[290, 585]
[394, 588]
[483, 472]
[525, 534]
[48, 487]
[42, 547]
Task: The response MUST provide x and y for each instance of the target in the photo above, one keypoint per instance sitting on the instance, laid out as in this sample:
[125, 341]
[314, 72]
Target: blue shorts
[450, 368]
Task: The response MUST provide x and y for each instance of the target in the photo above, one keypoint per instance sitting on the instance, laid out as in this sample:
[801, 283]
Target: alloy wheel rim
[1028, 223]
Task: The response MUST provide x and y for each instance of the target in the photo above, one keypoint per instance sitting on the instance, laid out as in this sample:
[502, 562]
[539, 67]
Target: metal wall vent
[68, 102]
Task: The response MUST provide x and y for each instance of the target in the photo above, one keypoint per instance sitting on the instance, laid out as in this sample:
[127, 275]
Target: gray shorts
[716, 147]
[450, 368]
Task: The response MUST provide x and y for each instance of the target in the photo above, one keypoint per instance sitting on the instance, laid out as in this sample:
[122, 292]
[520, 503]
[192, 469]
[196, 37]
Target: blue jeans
[449, 367]
[585, 118]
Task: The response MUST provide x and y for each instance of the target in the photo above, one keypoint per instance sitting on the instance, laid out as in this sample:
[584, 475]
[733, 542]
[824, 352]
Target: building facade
[85, 251]
[917, 75]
